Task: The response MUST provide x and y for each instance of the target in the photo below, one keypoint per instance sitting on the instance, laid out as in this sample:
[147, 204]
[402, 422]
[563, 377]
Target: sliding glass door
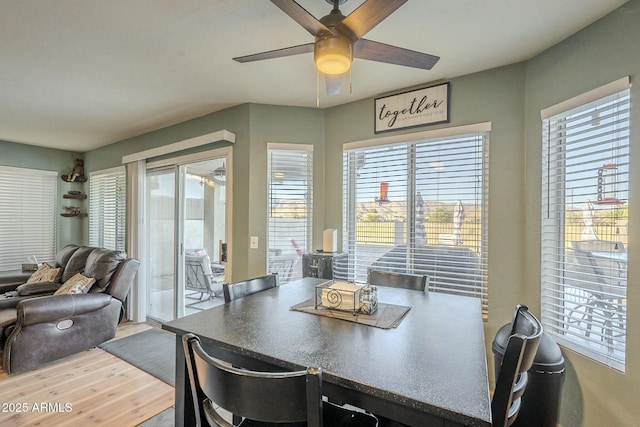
[161, 238]
[186, 237]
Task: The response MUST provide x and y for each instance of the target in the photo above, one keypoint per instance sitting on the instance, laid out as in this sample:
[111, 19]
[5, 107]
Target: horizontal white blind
[28, 200]
[290, 209]
[584, 227]
[418, 207]
[107, 209]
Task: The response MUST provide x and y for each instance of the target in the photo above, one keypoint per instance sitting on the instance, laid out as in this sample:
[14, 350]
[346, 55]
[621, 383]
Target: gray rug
[153, 351]
[163, 419]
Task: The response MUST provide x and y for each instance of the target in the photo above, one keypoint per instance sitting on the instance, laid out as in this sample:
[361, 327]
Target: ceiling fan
[338, 40]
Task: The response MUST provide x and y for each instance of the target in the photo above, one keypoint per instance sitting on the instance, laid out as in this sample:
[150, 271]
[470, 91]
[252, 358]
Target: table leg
[184, 410]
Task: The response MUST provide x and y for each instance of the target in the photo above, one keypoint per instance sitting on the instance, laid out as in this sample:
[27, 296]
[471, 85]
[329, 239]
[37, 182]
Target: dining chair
[248, 287]
[526, 331]
[599, 246]
[198, 277]
[260, 398]
[604, 298]
[283, 265]
[396, 280]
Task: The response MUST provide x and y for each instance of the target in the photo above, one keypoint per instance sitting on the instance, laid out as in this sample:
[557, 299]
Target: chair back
[76, 260]
[274, 397]
[598, 245]
[122, 279]
[197, 273]
[248, 287]
[588, 266]
[283, 265]
[396, 280]
[63, 255]
[526, 331]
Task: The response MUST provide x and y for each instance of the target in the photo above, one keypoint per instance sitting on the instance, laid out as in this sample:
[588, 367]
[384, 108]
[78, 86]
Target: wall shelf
[80, 179]
[73, 212]
[74, 195]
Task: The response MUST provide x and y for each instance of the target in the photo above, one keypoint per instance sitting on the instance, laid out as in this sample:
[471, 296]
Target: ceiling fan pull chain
[351, 70]
[317, 88]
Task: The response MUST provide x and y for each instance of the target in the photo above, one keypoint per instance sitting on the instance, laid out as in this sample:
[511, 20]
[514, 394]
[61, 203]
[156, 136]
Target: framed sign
[426, 106]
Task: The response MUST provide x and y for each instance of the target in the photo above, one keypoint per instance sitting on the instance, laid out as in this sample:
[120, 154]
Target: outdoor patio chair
[603, 304]
[283, 265]
[199, 277]
[598, 246]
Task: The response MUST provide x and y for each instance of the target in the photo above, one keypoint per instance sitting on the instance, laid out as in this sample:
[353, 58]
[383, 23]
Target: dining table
[427, 369]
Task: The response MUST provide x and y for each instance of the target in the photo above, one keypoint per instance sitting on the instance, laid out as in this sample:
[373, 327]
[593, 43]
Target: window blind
[107, 209]
[28, 216]
[584, 227]
[420, 208]
[290, 208]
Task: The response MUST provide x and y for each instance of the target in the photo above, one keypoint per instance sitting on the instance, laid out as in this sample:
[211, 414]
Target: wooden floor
[92, 388]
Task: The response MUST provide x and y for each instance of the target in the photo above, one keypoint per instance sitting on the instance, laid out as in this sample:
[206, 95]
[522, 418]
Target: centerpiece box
[345, 296]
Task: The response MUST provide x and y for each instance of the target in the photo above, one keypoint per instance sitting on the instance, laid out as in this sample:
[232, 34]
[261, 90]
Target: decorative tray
[346, 296]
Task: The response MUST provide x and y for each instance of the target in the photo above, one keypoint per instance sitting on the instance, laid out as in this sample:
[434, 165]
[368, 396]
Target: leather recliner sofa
[37, 329]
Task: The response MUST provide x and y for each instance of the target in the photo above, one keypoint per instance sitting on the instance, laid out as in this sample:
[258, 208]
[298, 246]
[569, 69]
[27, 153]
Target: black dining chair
[396, 280]
[260, 398]
[248, 287]
[526, 331]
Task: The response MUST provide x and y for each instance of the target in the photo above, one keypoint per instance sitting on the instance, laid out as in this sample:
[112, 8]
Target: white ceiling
[79, 74]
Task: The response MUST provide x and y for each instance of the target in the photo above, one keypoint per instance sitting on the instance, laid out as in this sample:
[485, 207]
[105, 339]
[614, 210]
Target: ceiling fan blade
[376, 51]
[368, 15]
[301, 16]
[278, 53]
[333, 84]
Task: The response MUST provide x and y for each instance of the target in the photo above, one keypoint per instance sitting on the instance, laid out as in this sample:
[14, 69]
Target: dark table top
[433, 363]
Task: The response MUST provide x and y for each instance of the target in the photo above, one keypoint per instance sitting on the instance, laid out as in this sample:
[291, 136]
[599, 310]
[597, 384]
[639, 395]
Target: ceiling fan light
[332, 55]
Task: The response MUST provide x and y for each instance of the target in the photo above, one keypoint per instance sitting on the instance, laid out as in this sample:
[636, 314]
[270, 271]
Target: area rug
[153, 351]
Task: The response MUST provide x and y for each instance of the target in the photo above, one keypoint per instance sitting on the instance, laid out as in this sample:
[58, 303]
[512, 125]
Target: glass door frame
[165, 281]
[138, 245]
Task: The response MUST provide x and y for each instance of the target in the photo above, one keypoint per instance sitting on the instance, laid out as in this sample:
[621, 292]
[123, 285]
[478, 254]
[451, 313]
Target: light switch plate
[253, 242]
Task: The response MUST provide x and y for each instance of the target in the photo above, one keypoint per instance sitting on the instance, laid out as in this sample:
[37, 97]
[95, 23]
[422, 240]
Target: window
[419, 207]
[107, 208]
[584, 223]
[28, 216]
[290, 212]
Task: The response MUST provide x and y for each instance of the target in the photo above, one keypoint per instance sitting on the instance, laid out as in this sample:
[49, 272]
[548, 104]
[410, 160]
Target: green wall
[495, 96]
[273, 124]
[68, 230]
[235, 120]
[509, 97]
[603, 52]
[254, 125]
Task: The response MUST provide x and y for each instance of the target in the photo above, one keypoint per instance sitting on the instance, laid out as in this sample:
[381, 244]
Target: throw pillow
[78, 284]
[46, 273]
[36, 275]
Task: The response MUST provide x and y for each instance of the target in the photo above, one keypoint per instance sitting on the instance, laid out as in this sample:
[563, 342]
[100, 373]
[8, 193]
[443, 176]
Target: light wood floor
[92, 388]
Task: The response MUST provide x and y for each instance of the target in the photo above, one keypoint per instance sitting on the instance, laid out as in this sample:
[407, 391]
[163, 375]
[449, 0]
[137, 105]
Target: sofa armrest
[7, 287]
[56, 307]
[12, 301]
[10, 280]
[37, 288]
